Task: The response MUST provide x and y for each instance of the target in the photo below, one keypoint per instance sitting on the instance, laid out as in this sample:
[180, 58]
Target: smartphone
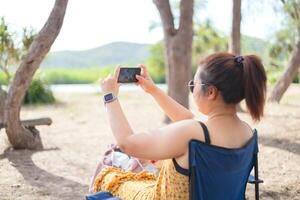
[127, 74]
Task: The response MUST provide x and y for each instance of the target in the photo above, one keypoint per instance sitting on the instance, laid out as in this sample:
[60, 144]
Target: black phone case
[127, 74]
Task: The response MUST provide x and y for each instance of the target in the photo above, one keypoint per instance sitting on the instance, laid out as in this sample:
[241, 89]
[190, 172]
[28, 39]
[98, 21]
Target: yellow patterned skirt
[169, 185]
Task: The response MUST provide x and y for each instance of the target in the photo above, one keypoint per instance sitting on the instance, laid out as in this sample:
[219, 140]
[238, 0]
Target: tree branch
[166, 16]
[186, 15]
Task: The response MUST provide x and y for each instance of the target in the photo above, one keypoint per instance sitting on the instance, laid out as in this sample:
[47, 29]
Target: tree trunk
[235, 42]
[287, 77]
[178, 43]
[19, 136]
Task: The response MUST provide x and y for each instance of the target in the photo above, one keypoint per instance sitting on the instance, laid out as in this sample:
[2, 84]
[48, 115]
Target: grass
[73, 76]
[68, 75]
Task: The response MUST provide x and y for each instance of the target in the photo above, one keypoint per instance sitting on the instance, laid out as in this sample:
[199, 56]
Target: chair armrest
[252, 180]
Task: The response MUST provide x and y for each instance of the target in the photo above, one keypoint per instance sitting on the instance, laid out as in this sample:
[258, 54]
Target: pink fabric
[107, 160]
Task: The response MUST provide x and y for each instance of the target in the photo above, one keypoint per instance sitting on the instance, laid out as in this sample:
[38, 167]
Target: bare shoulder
[195, 131]
[248, 129]
[191, 127]
[187, 123]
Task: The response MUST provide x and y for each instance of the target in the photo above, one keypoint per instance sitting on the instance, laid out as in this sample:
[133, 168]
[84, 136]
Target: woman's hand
[110, 83]
[145, 80]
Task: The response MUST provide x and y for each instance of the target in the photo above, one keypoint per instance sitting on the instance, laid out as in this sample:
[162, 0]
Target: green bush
[3, 79]
[273, 75]
[297, 78]
[156, 63]
[38, 93]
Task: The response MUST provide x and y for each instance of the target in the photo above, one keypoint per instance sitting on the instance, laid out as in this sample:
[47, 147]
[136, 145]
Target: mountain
[126, 53]
[111, 54]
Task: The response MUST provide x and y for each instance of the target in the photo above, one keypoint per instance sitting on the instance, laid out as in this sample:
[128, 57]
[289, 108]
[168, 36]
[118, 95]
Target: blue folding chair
[101, 196]
[222, 173]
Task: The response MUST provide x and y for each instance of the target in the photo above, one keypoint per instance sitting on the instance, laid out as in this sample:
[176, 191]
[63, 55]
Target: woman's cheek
[199, 100]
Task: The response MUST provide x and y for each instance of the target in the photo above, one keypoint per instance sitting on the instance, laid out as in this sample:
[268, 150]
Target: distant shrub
[273, 75]
[38, 93]
[3, 80]
[156, 63]
[297, 78]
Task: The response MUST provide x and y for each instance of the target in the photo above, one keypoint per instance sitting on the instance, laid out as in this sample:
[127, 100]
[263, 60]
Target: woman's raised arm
[167, 142]
[174, 110]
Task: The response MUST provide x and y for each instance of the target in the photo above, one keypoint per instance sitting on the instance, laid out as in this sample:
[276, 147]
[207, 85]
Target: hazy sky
[91, 23]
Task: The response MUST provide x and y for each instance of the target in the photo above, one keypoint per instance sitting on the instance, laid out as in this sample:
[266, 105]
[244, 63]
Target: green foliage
[10, 49]
[207, 40]
[273, 75]
[38, 93]
[283, 44]
[74, 76]
[9, 54]
[28, 36]
[286, 38]
[68, 76]
[156, 63]
[292, 8]
[3, 79]
[297, 78]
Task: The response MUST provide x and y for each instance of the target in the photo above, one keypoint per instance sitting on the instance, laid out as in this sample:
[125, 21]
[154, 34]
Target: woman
[220, 83]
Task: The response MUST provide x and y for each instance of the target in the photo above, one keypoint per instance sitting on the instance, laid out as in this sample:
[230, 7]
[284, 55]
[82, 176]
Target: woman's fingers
[144, 70]
[117, 71]
[141, 79]
[143, 66]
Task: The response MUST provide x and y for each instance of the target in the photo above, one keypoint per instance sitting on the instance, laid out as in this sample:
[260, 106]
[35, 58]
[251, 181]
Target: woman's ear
[212, 93]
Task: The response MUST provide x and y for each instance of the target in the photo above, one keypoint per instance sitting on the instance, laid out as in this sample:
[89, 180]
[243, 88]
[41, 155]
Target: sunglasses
[192, 85]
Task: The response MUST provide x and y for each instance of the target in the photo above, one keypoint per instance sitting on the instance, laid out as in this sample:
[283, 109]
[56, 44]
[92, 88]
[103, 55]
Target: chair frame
[255, 180]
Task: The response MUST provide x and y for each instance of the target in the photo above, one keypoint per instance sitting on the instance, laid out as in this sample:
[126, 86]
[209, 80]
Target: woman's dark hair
[237, 77]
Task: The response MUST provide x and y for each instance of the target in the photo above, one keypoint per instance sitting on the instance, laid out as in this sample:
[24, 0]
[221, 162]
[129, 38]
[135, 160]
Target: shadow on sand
[283, 144]
[47, 184]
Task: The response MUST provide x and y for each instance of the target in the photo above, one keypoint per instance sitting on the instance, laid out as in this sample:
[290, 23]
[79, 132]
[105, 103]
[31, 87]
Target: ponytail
[254, 86]
[237, 77]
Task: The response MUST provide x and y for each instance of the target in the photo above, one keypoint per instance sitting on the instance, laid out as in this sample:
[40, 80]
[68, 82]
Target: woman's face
[199, 95]
[208, 99]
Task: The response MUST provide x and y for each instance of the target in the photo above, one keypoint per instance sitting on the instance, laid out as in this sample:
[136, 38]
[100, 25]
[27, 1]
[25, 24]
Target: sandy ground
[80, 132]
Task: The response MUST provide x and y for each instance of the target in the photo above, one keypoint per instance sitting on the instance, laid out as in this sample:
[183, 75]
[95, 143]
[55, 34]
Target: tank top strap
[206, 133]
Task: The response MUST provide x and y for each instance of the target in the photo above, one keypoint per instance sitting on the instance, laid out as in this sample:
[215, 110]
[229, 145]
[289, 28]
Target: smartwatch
[109, 97]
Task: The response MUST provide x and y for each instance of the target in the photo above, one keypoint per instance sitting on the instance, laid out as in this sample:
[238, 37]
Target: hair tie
[239, 60]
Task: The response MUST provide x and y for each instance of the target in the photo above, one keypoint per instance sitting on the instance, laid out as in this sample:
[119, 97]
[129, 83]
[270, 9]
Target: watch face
[108, 97]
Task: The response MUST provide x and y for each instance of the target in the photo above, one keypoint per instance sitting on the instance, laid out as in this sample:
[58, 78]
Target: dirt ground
[80, 132]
